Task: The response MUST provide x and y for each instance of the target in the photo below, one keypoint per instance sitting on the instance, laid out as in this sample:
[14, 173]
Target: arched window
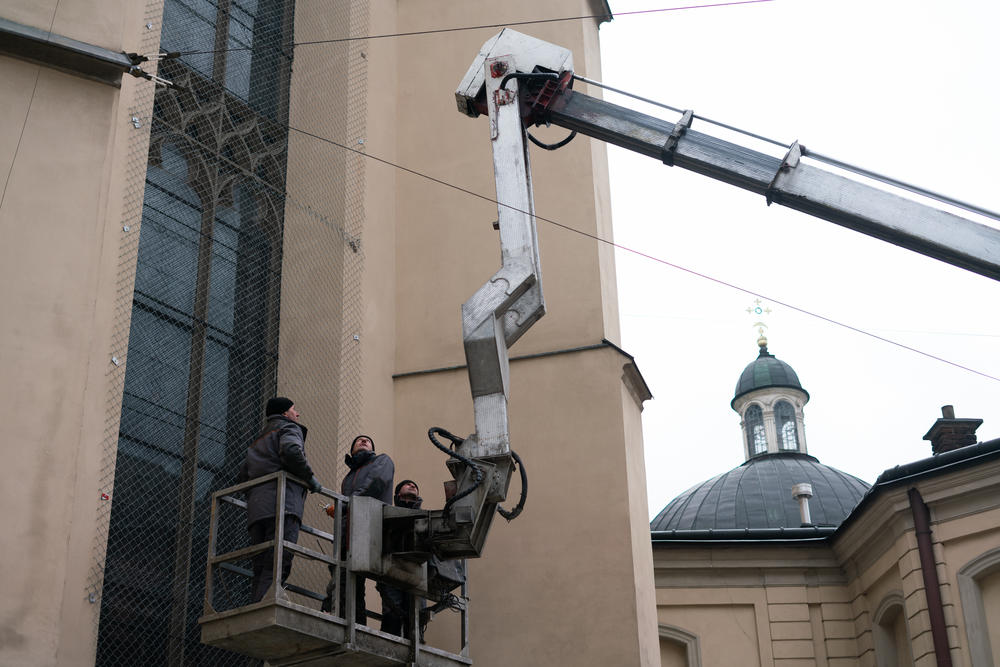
[784, 420]
[753, 420]
[892, 639]
[678, 647]
[979, 587]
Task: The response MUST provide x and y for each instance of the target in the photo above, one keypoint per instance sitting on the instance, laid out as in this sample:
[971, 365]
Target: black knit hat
[362, 436]
[400, 485]
[278, 406]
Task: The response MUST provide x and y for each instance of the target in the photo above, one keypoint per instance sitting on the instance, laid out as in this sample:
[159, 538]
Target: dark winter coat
[279, 446]
[395, 602]
[370, 475]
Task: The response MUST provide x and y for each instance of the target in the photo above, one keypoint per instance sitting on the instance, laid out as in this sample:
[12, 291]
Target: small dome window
[754, 421]
[784, 420]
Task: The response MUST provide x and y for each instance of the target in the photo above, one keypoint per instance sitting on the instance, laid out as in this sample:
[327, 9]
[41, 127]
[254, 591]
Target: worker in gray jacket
[280, 445]
[369, 474]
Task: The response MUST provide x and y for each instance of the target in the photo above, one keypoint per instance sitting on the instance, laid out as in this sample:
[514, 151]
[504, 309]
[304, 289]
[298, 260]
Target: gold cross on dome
[758, 310]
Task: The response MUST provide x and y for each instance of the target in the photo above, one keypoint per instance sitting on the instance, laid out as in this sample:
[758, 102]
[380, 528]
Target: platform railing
[267, 628]
[224, 561]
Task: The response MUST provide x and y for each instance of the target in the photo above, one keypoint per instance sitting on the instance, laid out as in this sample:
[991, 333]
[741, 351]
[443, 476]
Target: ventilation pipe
[802, 493]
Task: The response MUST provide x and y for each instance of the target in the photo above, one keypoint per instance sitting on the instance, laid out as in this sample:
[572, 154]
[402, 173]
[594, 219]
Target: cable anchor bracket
[670, 145]
[789, 162]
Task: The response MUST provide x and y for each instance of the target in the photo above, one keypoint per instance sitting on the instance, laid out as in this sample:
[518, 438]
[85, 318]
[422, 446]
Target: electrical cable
[437, 31]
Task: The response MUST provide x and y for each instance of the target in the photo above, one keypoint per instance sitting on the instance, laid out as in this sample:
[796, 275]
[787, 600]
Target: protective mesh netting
[243, 236]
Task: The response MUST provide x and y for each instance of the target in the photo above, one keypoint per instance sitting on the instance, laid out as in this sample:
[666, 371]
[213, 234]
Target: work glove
[314, 485]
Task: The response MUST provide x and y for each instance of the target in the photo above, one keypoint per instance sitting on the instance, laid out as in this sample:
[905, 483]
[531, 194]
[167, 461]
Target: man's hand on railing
[314, 485]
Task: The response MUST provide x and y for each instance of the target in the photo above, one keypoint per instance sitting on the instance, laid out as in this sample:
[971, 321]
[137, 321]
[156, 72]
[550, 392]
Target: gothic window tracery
[203, 342]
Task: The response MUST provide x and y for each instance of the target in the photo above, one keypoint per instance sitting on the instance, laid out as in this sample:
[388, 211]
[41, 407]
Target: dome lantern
[770, 399]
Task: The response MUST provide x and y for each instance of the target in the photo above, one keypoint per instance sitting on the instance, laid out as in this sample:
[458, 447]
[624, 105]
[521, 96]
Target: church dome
[758, 494]
[766, 371]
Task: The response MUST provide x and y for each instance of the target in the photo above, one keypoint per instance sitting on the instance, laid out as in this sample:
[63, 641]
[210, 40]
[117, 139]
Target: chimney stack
[949, 433]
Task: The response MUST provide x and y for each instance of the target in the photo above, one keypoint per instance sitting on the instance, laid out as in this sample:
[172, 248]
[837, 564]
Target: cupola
[769, 400]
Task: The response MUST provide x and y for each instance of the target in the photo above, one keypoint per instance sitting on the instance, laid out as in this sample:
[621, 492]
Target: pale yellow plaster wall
[800, 597]
[642, 552]
[590, 66]
[104, 23]
[64, 141]
[736, 622]
[313, 337]
[446, 246]
[380, 275]
[343, 92]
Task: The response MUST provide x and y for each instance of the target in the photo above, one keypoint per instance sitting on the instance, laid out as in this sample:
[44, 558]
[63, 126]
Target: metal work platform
[281, 630]
[285, 633]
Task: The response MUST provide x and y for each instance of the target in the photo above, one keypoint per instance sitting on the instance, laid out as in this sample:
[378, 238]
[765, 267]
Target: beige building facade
[176, 254]
[899, 574]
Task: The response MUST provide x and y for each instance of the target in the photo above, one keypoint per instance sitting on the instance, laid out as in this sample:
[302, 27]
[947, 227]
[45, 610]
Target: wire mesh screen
[239, 280]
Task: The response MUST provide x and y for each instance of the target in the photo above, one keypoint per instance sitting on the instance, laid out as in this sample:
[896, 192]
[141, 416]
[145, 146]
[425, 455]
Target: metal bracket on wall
[68, 55]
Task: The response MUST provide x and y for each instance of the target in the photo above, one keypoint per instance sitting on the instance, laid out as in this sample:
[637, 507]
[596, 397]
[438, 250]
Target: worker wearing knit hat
[280, 445]
[278, 405]
[362, 439]
[369, 475]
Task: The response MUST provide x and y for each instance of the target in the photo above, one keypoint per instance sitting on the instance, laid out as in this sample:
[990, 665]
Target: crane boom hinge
[554, 86]
[670, 145]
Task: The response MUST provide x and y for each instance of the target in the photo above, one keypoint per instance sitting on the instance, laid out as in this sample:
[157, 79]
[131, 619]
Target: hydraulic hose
[551, 147]
[512, 514]
[455, 440]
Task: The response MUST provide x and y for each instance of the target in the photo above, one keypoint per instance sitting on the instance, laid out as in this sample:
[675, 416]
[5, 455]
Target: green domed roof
[758, 494]
[766, 371]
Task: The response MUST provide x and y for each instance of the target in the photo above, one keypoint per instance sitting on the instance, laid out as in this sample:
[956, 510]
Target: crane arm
[788, 181]
[518, 81]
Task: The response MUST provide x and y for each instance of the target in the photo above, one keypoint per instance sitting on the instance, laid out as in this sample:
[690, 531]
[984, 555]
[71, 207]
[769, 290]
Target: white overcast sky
[906, 88]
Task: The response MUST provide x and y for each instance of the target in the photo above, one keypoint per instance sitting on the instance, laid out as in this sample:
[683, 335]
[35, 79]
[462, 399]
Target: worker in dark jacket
[279, 446]
[369, 474]
[396, 604]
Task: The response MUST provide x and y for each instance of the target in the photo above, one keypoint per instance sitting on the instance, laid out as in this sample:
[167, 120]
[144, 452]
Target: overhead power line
[436, 31]
[645, 255]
